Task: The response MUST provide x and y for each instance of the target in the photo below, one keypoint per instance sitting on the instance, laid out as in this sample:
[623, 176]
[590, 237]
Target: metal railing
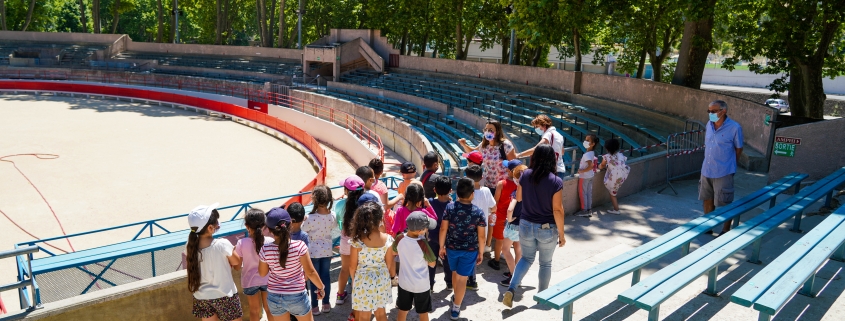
[23, 254]
[683, 156]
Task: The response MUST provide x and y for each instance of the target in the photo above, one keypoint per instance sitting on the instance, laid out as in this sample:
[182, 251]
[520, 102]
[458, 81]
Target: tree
[802, 40]
[696, 43]
[3, 14]
[29, 15]
[282, 22]
[160, 20]
[116, 16]
[581, 26]
[82, 19]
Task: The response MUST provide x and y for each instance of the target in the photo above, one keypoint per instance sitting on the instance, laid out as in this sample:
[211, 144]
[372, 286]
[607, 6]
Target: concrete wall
[551, 78]
[278, 79]
[822, 150]
[161, 298]
[372, 37]
[241, 51]
[60, 37]
[430, 104]
[745, 78]
[326, 132]
[395, 134]
[684, 102]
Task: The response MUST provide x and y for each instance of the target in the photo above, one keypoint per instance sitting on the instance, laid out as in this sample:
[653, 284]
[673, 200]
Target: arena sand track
[121, 162]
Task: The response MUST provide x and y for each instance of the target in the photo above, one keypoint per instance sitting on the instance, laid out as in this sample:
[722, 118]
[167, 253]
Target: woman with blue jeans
[541, 223]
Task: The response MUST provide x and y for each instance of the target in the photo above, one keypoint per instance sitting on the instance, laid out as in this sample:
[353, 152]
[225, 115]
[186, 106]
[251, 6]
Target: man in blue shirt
[723, 145]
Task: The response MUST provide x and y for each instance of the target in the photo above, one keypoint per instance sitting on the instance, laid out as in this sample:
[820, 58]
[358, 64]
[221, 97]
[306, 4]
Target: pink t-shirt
[249, 273]
[379, 187]
[402, 214]
[291, 279]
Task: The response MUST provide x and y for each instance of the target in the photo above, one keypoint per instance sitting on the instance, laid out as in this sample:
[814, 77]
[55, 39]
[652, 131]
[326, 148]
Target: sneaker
[507, 274]
[488, 249]
[315, 311]
[456, 310]
[341, 298]
[395, 282]
[506, 282]
[472, 286]
[614, 212]
[351, 316]
[507, 300]
[584, 213]
[327, 308]
[449, 286]
[494, 264]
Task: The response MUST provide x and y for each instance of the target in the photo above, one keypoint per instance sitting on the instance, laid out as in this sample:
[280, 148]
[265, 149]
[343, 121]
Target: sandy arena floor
[121, 163]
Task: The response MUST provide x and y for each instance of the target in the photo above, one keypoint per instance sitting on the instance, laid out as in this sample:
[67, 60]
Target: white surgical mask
[714, 117]
[489, 135]
[539, 131]
[586, 144]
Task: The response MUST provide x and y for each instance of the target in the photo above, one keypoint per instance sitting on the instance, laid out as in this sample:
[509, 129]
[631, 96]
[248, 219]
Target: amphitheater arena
[109, 145]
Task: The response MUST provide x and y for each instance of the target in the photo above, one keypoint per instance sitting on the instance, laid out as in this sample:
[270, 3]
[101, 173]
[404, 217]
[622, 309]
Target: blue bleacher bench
[564, 294]
[794, 270]
[661, 285]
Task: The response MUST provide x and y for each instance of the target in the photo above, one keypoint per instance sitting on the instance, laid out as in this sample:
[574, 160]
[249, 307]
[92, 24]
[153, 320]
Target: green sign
[784, 149]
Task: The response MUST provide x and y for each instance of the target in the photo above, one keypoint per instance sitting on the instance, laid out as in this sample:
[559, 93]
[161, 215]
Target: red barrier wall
[259, 116]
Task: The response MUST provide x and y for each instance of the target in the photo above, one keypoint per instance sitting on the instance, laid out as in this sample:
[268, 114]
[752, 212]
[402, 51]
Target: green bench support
[564, 294]
[794, 270]
[661, 285]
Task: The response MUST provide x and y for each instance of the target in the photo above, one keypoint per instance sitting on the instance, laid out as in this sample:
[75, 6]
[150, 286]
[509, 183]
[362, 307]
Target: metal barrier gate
[684, 153]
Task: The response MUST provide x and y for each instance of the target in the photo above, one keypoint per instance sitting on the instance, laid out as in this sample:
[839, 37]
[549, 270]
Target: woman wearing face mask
[548, 135]
[494, 149]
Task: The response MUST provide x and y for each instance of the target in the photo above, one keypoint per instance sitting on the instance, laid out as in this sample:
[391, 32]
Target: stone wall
[544, 77]
[822, 150]
[395, 134]
[684, 102]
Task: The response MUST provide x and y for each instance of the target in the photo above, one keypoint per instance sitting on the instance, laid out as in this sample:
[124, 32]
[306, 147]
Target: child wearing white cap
[210, 279]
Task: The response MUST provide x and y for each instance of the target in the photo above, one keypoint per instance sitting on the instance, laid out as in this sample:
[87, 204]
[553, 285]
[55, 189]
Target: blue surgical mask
[489, 135]
[539, 131]
[714, 117]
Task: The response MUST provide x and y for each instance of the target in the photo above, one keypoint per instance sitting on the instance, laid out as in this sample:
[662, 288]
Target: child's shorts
[344, 245]
[512, 232]
[462, 262]
[226, 308]
[254, 289]
[422, 301]
[499, 228]
[297, 304]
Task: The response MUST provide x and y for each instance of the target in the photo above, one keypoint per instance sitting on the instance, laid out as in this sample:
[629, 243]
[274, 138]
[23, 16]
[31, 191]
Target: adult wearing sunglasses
[723, 146]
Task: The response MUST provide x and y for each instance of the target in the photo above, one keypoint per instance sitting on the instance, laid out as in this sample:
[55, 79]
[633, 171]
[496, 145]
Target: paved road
[758, 90]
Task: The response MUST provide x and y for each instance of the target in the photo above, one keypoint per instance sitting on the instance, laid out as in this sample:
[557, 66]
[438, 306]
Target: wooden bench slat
[655, 289]
[573, 288]
[791, 281]
[763, 280]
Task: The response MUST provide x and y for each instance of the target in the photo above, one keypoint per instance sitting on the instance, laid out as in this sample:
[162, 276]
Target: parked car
[780, 104]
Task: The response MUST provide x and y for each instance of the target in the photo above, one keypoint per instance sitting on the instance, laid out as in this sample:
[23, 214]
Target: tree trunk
[227, 24]
[259, 15]
[29, 15]
[116, 19]
[282, 4]
[695, 45]
[403, 43]
[459, 36]
[517, 54]
[362, 20]
[3, 14]
[536, 59]
[272, 24]
[82, 20]
[424, 45]
[641, 65]
[506, 43]
[806, 91]
[95, 14]
[160, 20]
[576, 40]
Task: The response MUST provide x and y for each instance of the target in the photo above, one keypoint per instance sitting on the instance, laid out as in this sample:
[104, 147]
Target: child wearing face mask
[586, 172]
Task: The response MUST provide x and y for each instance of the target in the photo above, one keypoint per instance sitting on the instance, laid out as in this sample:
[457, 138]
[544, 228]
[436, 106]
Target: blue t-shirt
[438, 207]
[537, 198]
[300, 236]
[464, 220]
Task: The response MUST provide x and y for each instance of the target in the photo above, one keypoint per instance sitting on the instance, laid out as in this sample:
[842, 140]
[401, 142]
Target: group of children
[285, 259]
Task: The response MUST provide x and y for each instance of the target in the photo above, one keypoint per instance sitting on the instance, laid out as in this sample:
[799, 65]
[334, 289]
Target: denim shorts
[297, 304]
[254, 289]
[511, 232]
[462, 262]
